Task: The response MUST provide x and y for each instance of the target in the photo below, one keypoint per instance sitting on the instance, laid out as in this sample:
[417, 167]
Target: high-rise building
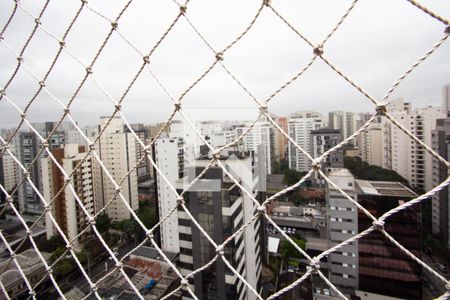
[381, 261]
[117, 151]
[324, 139]
[261, 134]
[299, 129]
[28, 147]
[10, 174]
[281, 141]
[342, 225]
[441, 205]
[144, 166]
[65, 208]
[169, 157]
[343, 120]
[370, 143]
[403, 154]
[446, 99]
[221, 208]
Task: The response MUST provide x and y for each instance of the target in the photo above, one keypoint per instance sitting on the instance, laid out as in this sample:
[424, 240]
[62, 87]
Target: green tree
[148, 216]
[103, 223]
[51, 244]
[63, 267]
[298, 199]
[57, 253]
[291, 177]
[128, 228]
[287, 250]
[362, 170]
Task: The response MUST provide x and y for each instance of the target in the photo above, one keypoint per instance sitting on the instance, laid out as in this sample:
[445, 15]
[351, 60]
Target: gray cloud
[378, 41]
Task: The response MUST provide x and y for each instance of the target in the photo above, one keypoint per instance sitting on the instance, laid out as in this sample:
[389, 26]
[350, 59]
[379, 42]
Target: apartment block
[323, 140]
[342, 224]
[441, 204]
[300, 126]
[221, 208]
[344, 121]
[65, 208]
[169, 157]
[117, 151]
[380, 261]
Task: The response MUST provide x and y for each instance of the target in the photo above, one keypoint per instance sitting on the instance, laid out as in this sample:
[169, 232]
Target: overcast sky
[379, 40]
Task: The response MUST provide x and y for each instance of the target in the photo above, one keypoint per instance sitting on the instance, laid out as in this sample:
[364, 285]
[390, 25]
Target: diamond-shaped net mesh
[219, 59]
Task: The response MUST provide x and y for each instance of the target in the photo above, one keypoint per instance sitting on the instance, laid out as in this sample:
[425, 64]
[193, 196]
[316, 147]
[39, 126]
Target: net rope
[218, 59]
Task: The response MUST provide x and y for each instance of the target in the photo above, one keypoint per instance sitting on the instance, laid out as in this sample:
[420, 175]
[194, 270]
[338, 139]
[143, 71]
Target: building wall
[371, 144]
[342, 223]
[299, 129]
[404, 155]
[441, 204]
[169, 157]
[117, 151]
[261, 134]
[343, 120]
[65, 208]
[323, 140]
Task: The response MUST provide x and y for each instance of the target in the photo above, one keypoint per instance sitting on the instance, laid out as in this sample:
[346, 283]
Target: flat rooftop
[384, 188]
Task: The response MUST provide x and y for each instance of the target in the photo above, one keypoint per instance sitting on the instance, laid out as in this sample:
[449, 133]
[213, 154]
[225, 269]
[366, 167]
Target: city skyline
[221, 150]
[372, 64]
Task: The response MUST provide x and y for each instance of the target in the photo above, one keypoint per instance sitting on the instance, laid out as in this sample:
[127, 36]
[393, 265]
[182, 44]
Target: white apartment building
[221, 208]
[117, 150]
[342, 225]
[65, 209]
[343, 120]
[10, 172]
[299, 129]
[404, 155]
[169, 157]
[260, 134]
[446, 99]
[371, 143]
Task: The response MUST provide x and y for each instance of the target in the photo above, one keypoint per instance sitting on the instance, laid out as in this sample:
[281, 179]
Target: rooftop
[384, 188]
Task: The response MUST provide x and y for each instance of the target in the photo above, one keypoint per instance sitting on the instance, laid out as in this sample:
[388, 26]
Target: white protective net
[219, 61]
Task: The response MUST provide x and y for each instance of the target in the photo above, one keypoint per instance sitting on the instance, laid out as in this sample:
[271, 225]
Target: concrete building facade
[371, 143]
[221, 208]
[343, 120]
[323, 140]
[169, 157]
[342, 224]
[441, 204]
[300, 126]
[117, 151]
[65, 208]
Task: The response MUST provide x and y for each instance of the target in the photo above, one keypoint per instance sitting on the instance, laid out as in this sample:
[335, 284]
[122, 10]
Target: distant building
[343, 120]
[281, 141]
[371, 143]
[261, 134]
[380, 261]
[28, 149]
[342, 224]
[33, 269]
[144, 167]
[441, 205]
[324, 139]
[300, 126]
[401, 153]
[169, 157]
[117, 151]
[65, 208]
[446, 99]
[221, 208]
